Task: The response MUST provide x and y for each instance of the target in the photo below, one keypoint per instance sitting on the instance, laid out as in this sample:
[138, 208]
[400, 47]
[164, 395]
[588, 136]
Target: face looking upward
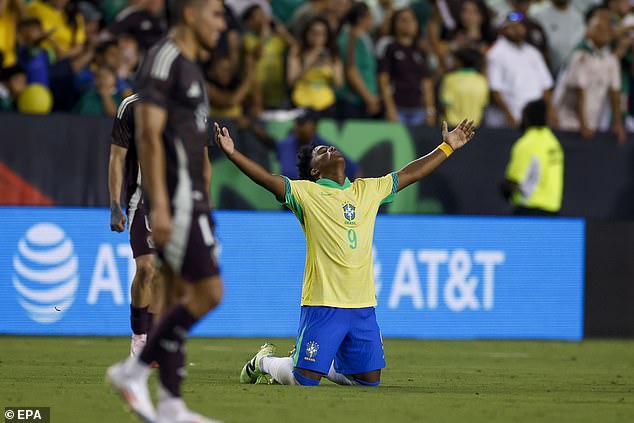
[326, 160]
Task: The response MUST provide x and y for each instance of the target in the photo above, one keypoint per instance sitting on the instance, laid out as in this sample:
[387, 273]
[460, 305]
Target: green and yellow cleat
[252, 370]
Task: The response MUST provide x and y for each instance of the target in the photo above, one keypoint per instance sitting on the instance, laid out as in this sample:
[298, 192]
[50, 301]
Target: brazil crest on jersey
[338, 222]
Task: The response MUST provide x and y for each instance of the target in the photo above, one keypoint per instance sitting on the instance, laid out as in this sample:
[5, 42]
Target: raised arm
[418, 169]
[273, 183]
[151, 120]
[115, 179]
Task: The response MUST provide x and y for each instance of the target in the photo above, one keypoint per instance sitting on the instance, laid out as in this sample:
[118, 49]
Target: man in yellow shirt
[338, 335]
[535, 174]
[465, 91]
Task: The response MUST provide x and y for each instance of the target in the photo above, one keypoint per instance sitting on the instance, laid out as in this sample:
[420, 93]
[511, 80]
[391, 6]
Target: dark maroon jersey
[169, 80]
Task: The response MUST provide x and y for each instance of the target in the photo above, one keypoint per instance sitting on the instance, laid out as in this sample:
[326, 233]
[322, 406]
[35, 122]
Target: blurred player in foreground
[124, 171]
[338, 334]
[172, 137]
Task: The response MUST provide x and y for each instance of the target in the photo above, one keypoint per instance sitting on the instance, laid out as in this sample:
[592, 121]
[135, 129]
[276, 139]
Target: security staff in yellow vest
[534, 179]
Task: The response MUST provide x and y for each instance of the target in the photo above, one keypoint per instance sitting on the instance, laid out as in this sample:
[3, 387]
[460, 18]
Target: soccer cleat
[264, 379]
[252, 370]
[133, 389]
[137, 344]
[174, 410]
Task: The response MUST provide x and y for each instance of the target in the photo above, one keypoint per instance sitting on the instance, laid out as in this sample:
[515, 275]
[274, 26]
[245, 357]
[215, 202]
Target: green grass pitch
[425, 381]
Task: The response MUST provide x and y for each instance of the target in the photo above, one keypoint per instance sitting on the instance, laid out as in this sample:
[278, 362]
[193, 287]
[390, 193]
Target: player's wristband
[446, 148]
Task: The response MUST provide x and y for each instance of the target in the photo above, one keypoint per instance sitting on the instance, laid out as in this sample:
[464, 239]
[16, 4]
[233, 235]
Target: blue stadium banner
[64, 273]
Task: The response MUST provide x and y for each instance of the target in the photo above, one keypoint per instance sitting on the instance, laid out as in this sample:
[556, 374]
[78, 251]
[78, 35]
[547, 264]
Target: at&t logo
[45, 272]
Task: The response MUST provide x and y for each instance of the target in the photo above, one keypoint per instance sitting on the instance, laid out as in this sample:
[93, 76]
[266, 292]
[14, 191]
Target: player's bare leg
[140, 317]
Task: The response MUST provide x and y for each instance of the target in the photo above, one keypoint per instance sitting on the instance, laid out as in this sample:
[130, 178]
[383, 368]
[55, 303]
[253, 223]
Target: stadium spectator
[564, 27]
[406, 87]
[66, 24]
[92, 21]
[517, 74]
[143, 20]
[12, 83]
[447, 16]
[358, 98]
[534, 179]
[464, 92]
[10, 13]
[129, 59]
[591, 79]
[228, 90]
[305, 133]
[267, 41]
[32, 57]
[305, 13]
[108, 54]
[229, 42]
[535, 34]
[102, 98]
[444, 23]
[314, 69]
[473, 28]
[336, 13]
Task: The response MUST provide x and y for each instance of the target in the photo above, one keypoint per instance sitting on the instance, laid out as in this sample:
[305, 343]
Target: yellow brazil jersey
[537, 166]
[338, 222]
[53, 19]
[314, 89]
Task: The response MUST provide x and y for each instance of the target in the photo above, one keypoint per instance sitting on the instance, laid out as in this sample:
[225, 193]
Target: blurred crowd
[411, 61]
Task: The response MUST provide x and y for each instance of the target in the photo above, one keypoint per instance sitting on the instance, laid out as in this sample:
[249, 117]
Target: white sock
[280, 368]
[338, 378]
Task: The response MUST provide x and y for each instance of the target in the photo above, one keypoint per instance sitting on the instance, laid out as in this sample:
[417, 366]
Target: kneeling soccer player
[338, 334]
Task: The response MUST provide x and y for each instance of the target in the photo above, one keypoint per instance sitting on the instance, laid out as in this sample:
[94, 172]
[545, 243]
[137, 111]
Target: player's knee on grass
[369, 378]
[304, 380]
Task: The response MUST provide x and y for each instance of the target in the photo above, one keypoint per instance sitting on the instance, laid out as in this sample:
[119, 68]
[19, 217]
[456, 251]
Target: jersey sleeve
[121, 132]
[383, 189]
[294, 198]
[157, 76]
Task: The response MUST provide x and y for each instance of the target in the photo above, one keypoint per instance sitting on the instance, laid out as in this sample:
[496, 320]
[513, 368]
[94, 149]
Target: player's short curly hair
[304, 159]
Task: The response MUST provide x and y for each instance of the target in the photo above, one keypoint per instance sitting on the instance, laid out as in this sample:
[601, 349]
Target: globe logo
[45, 274]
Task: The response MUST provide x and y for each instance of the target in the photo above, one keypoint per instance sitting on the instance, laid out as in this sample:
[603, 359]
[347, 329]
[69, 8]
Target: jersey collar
[332, 184]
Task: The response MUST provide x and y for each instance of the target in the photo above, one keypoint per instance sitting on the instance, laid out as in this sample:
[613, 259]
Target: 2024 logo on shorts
[45, 272]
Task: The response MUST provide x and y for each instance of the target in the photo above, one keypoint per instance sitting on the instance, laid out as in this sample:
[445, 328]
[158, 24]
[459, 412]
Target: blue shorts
[349, 336]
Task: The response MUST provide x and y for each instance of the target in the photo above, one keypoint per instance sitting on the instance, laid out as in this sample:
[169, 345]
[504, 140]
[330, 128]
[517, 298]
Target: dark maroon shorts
[191, 252]
[140, 232]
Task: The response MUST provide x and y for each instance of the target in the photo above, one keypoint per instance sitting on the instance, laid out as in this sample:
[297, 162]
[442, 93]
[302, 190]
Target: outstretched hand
[461, 134]
[224, 140]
